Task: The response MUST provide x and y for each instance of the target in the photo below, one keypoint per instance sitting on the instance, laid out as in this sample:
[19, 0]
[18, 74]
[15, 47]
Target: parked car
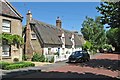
[101, 50]
[110, 51]
[79, 56]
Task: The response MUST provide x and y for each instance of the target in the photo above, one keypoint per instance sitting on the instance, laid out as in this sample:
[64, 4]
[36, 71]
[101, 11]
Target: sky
[72, 14]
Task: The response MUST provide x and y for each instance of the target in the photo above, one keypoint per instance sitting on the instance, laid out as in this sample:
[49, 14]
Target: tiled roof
[9, 10]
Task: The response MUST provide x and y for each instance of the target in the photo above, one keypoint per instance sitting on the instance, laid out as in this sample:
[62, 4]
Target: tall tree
[110, 13]
[113, 38]
[93, 31]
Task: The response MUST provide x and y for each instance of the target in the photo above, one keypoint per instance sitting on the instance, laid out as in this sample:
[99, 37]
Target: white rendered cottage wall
[73, 41]
[78, 49]
[64, 53]
[52, 50]
[63, 40]
[62, 49]
[45, 51]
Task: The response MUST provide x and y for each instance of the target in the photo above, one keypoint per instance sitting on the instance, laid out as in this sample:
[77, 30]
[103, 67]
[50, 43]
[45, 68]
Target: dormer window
[6, 26]
[33, 36]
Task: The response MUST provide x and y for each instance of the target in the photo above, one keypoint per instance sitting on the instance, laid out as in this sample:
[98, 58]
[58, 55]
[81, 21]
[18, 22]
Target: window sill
[6, 57]
[15, 49]
[33, 38]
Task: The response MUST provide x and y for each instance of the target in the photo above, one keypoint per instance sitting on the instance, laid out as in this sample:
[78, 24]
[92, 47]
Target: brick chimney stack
[28, 48]
[58, 22]
[28, 17]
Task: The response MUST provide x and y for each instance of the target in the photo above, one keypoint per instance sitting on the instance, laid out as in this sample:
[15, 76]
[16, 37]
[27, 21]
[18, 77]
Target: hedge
[17, 65]
[14, 66]
[4, 64]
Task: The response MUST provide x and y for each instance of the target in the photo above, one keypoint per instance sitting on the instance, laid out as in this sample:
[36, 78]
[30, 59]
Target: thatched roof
[50, 34]
[47, 33]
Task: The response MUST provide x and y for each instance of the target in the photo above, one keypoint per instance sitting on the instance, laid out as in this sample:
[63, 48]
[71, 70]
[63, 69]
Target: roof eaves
[14, 9]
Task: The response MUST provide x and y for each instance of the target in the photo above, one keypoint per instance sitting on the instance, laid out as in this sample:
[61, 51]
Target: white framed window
[5, 50]
[33, 36]
[6, 26]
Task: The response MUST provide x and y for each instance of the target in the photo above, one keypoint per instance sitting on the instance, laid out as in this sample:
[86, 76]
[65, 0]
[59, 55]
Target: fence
[57, 58]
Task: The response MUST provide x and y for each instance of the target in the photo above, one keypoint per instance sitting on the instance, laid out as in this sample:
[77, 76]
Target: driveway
[100, 66]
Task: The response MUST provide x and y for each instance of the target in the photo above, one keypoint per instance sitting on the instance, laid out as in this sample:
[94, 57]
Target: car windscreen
[73, 53]
[77, 53]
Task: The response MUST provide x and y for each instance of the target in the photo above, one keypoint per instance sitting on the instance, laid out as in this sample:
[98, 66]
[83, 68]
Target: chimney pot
[58, 18]
[58, 22]
[29, 11]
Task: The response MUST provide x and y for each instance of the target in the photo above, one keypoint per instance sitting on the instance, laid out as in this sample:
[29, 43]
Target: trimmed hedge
[17, 65]
[4, 64]
[14, 66]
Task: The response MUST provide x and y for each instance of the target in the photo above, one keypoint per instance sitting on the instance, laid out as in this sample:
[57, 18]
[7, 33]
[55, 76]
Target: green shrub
[38, 58]
[46, 60]
[16, 60]
[9, 66]
[57, 53]
[42, 58]
[52, 60]
[4, 64]
[28, 64]
[14, 66]
[19, 65]
[87, 45]
[24, 57]
[106, 46]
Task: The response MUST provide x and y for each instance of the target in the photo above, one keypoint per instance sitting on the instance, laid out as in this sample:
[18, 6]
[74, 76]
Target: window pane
[33, 36]
[6, 26]
[6, 23]
[6, 49]
[5, 54]
[6, 29]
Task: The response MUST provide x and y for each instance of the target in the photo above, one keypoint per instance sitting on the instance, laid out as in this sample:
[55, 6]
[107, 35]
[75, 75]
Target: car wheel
[69, 61]
[82, 60]
[79, 60]
[88, 59]
[85, 60]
